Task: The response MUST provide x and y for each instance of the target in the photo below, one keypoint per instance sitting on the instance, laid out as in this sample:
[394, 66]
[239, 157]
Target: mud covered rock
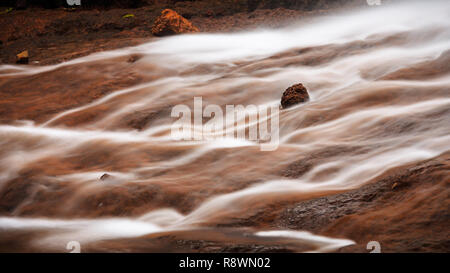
[294, 95]
[170, 22]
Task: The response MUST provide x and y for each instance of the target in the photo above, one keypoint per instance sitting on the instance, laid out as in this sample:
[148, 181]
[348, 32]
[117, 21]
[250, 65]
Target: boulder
[170, 22]
[294, 95]
[22, 58]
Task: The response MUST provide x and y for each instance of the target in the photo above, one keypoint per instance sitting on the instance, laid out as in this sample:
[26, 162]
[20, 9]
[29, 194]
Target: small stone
[22, 58]
[294, 95]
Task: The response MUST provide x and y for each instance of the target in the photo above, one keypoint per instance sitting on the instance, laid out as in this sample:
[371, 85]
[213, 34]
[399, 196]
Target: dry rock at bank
[170, 22]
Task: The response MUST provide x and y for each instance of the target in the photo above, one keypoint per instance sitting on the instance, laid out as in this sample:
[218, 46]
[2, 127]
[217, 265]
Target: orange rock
[170, 23]
[22, 58]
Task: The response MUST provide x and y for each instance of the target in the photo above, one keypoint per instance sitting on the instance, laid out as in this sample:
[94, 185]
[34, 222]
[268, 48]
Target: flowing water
[378, 79]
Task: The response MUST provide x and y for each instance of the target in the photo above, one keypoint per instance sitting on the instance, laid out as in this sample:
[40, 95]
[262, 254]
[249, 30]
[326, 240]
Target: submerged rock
[22, 58]
[294, 95]
[170, 22]
[105, 176]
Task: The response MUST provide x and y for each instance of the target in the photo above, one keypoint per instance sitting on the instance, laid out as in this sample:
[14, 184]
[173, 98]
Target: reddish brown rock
[170, 23]
[294, 95]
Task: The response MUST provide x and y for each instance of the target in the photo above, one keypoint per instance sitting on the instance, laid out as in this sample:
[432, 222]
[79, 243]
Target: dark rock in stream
[294, 95]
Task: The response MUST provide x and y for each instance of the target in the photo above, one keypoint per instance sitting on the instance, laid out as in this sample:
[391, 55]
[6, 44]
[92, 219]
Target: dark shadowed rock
[294, 95]
[170, 23]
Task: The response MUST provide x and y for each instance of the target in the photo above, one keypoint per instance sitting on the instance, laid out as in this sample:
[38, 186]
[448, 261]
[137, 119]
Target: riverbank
[56, 35]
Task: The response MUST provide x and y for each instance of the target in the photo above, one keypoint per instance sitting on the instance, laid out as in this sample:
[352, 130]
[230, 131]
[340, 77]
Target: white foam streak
[325, 244]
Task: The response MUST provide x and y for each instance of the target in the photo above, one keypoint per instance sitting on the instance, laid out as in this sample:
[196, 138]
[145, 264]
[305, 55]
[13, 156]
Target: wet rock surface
[405, 210]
